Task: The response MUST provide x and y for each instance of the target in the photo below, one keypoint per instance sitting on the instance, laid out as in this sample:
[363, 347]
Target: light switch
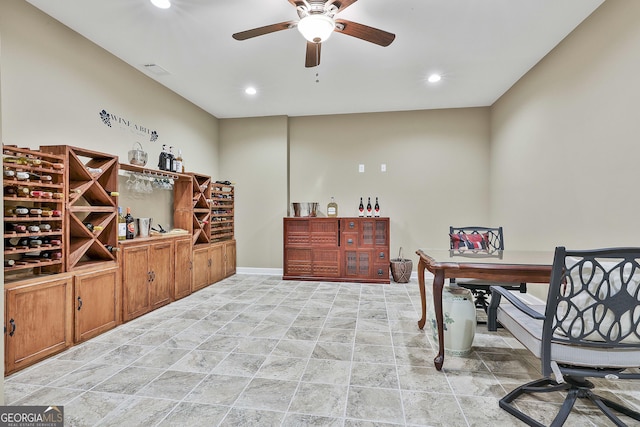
[360, 168]
[383, 167]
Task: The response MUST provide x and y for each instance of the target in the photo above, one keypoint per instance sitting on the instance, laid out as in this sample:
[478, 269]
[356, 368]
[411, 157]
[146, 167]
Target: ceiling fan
[317, 22]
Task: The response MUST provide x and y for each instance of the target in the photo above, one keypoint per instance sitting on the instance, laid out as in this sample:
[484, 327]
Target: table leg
[423, 297]
[438, 284]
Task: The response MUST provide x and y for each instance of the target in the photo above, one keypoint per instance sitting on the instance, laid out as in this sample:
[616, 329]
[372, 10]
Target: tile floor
[258, 351]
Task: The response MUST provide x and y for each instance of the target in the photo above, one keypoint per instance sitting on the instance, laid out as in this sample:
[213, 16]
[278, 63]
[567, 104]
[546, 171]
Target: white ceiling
[481, 47]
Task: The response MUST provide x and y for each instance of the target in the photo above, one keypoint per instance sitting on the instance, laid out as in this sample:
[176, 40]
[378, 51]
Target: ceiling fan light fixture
[316, 28]
[161, 4]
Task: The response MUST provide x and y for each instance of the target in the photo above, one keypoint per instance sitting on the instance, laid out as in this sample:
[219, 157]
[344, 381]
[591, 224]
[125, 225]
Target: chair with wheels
[484, 239]
[589, 328]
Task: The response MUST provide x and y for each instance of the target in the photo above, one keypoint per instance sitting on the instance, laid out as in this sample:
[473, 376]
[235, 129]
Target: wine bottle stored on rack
[129, 223]
[376, 209]
[369, 209]
[361, 208]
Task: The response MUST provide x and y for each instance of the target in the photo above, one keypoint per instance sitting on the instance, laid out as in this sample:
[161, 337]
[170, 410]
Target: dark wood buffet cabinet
[336, 249]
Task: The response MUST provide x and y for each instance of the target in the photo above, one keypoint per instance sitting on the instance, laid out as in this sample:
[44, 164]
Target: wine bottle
[112, 193]
[162, 158]
[376, 209]
[22, 176]
[179, 162]
[332, 208]
[16, 242]
[45, 227]
[369, 210]
[35, 242]
[17, 228]
[94, 171]
[21, 211]
[361, 208]
[9, 173]
[171, 161]
[10, 191]
[35, 212]
[9, 263]
[122, 225]
[111, 249]
[33, 228]
[89, 226]
[51, 254]
[22, 191]
[130, 226]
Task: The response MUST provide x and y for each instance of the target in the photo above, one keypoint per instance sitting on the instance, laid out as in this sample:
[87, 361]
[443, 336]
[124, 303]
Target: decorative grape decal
[106, 119]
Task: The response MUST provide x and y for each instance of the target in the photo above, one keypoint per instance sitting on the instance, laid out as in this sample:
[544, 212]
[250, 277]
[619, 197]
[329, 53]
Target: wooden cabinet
[147, 275]
[229, 258]
[333, 249]
[96, 302]
[208, 265]
[183, 268]
[38, 320]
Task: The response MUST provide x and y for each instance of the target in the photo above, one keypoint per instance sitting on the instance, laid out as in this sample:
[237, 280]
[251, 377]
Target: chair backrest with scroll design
[474, 237]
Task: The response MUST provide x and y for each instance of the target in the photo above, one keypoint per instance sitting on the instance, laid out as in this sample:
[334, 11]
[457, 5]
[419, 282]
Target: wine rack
[222, 212]
[201, 212]
[91, 205]
[34, 210]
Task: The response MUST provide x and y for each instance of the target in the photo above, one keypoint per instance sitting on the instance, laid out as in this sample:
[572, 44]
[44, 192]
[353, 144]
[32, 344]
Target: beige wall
[254, 153]
[566, 139]
[55, 83]
[436, 164]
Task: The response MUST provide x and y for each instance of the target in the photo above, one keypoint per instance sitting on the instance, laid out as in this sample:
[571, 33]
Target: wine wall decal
[109, 119]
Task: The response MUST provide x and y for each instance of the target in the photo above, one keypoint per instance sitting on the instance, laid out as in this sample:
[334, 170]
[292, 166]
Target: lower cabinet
[183, 268]
[147, 276]
[213, 263]
[38, 320]
[97, 303]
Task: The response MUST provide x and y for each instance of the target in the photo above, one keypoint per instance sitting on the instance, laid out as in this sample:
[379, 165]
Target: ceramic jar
[459, 315]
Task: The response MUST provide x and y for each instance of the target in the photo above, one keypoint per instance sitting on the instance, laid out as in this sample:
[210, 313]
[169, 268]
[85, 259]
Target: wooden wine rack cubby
[92, 210]
[46, 207]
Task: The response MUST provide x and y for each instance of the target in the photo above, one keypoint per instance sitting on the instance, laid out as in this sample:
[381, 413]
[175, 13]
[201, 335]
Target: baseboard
[278, 272]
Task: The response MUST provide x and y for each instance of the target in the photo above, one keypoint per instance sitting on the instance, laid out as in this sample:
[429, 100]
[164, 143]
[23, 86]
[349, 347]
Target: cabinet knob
[350, 241]
[379, 272]
[381, 255]
[352, 224]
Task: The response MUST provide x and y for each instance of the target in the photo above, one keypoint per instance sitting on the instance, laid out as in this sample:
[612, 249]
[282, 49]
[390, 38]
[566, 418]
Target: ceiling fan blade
[341, 4]
[244, 35]
[364, 32]
[313, 55]
[296, 3]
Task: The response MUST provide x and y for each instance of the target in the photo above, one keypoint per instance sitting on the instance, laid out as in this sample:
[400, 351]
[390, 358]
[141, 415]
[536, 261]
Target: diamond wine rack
[92, 205]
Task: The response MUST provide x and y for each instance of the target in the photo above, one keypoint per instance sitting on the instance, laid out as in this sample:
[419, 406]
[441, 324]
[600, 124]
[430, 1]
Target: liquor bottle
[361, 208]
[122, 225]
[369, 210]
[179, 162]
[162, 158]
[376, 209]
[332, 208]
[172, 161]
[129, 223]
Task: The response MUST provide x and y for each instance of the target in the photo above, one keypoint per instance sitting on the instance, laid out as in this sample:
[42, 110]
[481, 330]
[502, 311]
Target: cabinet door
[358, 264]
[38, 321]
[216, 255]
[183, 268]
[230, 258]
[96, 302]
[201, 268]
[161, 260]
[135, 281]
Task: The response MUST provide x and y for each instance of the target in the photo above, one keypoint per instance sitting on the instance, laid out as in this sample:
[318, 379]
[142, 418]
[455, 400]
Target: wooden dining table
[511, 266]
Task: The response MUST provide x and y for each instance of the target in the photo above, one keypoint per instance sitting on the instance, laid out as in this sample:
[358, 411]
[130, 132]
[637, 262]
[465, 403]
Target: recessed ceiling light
[161, 4]
[434, 78]
[250, 90]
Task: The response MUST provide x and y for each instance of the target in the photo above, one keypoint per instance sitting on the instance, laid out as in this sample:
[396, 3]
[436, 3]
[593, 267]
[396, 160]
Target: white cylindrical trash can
[459, 315]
